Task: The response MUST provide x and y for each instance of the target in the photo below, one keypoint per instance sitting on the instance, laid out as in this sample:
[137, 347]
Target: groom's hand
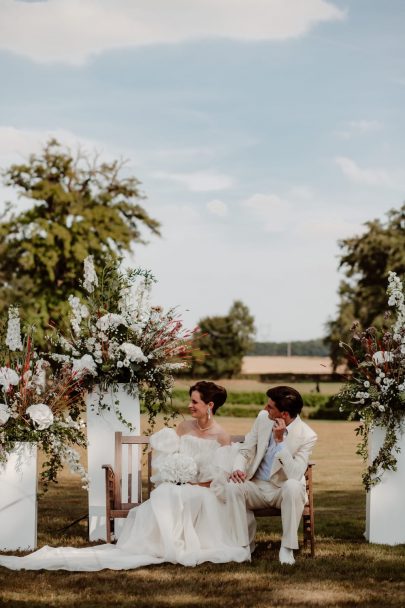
[238, 476]
[279, 428]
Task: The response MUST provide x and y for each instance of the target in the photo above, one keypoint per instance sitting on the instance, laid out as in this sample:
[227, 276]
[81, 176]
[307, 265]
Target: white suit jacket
[289, 463]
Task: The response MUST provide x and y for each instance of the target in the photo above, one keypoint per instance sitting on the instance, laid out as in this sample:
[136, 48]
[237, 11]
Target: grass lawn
[346, 572]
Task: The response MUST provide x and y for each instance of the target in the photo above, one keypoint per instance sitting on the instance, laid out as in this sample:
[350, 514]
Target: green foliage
[247, 404]
[366, 260]
[80, 208]
[223, 342]
[327, 409]
[310, 348]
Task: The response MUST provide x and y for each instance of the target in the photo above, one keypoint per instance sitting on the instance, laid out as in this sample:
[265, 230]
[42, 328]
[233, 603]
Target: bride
[183, 522]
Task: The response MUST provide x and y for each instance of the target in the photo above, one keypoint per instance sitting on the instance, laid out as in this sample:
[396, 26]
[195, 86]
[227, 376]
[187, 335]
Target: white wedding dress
[181, 524]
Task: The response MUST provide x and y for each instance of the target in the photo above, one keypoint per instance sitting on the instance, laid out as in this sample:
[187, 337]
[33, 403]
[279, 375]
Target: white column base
[100, 434]
[385, 506]
[18, 499]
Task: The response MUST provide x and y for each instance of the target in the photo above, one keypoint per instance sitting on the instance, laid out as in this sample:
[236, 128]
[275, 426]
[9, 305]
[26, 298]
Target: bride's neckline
[206, 428]
[205, 439]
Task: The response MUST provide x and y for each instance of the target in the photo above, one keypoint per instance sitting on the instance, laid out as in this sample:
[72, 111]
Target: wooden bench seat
[117, 507]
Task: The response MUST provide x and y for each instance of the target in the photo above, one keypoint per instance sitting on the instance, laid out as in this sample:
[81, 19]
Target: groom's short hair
[287, 399]
[210, 391]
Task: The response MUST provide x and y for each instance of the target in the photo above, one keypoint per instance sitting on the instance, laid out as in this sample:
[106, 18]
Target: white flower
[142, 298]
[85, 364]
[90, 342]
[90, 276]
[39, 377]
[178, 468]
[72, 458]
[13, 338]
[8, 377]
[171, 367]
[366, 384]
[110, 320]
[133, 353]
[396, 299]
[41, 415]
[381, 408]
[5, 413]
[125, 305]
[381, 357]
[79, 311]
[60, 358]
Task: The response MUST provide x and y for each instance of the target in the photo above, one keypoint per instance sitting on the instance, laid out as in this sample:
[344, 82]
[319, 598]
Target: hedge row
[254, 398]
[248, 404]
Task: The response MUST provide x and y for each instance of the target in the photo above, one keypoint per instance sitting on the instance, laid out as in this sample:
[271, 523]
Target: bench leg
[309, 535]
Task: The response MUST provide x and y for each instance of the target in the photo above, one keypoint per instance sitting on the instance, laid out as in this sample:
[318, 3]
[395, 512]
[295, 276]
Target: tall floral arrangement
[117, 336]
[38, 406]
[375, 392]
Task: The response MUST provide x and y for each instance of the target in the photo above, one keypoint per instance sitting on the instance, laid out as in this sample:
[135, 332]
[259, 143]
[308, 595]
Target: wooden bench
[116, 507]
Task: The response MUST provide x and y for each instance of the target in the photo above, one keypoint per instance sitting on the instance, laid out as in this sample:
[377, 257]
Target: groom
[271, 463]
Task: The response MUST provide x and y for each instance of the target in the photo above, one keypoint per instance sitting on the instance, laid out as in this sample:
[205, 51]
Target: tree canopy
[366, 260]
[223, 342]
[81, 206]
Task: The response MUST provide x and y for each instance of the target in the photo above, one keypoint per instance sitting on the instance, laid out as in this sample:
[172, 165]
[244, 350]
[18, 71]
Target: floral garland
[117, 336]
[375, 392]
[37, 406]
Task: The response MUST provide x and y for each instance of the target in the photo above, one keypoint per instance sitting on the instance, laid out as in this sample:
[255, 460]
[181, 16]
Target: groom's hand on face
[279, 428]
[238, 476]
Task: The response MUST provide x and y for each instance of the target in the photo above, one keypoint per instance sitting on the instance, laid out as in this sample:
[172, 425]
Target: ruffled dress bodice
[211, 459]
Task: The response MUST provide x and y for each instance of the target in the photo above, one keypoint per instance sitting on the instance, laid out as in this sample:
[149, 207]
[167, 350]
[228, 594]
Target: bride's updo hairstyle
[210, 391]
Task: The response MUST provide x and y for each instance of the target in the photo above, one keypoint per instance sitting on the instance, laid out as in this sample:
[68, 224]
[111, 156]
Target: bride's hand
[238, 476]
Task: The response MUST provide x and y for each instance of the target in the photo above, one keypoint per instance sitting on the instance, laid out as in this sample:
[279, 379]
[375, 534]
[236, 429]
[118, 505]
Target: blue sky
[262, 130]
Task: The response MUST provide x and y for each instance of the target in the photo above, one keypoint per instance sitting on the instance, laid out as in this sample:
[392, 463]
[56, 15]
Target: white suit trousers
[258, 494]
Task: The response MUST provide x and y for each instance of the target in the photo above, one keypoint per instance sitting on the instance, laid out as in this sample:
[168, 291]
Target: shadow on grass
[344, 575]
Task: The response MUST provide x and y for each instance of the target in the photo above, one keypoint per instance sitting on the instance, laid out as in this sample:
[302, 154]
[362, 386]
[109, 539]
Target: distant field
[326, 388]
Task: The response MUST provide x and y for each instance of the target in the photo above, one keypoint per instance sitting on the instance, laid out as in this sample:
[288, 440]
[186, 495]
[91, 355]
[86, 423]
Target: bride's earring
[209, 413]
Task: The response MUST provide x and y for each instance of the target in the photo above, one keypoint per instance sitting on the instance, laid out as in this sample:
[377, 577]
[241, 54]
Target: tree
[81, 207]
[223, 342]
[366, 261]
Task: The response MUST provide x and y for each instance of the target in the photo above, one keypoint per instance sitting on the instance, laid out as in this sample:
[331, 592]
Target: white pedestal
[385, 507]
[101, 428]
[18, 499]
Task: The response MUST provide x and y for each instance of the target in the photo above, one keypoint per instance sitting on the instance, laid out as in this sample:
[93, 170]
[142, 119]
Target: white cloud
[270, 210]
[199, 181]
[330, 228]
[217, 207]
[366, 176]
[359, 127]
[17, 144]
[71, 31]
[365, 126]
[302, 193]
